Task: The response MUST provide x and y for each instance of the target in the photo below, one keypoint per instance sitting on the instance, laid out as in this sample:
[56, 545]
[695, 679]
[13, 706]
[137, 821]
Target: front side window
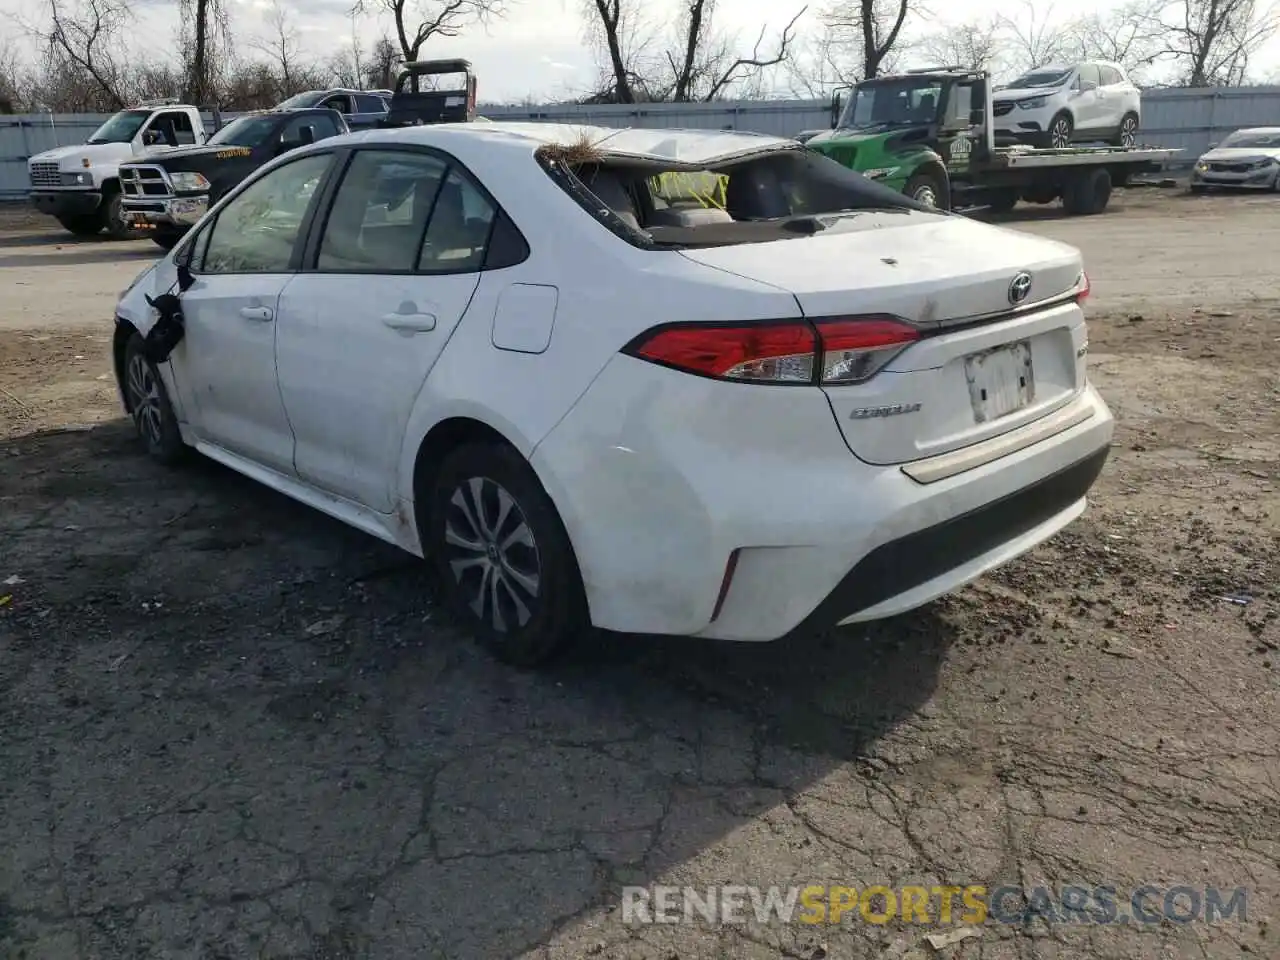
[257, 230]
[1089, 76]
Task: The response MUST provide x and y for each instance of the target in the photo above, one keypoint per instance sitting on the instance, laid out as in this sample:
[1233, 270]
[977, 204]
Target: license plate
[1001, 381]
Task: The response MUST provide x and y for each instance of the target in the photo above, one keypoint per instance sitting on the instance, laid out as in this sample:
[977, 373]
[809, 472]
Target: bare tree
[380, 66]
[872, 27]
[204, 35]
[978, 44]
[1212, 41]
[1129, 35]
[418, 21]
[283, 46]
[84, 39]
[821, 64]
[1031, 37]
[699, 63]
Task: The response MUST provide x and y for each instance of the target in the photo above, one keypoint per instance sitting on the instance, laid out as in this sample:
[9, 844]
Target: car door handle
[263, 314]
[410, 323]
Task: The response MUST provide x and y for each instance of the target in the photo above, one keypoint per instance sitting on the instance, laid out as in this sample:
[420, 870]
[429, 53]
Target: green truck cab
[926, 134]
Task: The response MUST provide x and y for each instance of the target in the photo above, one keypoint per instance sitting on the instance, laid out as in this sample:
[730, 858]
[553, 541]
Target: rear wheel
[82, 226]
[928, 189]
[1002, 201]
[1087, 193]
[503, 559]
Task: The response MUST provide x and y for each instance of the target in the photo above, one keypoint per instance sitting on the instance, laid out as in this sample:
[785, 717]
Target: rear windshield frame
[878, 197]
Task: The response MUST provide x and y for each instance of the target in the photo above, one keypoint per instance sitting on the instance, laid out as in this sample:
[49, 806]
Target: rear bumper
[65, 203]
[661, 478]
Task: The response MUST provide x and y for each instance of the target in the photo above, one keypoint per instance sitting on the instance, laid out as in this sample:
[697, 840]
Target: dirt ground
[236, 729]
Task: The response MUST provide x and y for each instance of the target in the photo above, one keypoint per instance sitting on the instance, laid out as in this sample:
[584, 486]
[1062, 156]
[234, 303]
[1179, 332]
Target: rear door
[388, 278]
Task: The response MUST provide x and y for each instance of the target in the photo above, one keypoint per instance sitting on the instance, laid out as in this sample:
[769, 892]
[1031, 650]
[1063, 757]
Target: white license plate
[1001, 381]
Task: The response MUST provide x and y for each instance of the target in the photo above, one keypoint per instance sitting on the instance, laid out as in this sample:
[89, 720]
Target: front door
[388, 281]
[1088, 104]
[241, 263]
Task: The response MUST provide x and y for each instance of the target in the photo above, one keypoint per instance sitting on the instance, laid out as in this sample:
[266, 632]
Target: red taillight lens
[856, 349]
[1082, 293]
[768, 352]
[829, 351]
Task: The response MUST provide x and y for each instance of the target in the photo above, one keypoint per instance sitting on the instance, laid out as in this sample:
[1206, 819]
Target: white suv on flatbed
[1061, 104]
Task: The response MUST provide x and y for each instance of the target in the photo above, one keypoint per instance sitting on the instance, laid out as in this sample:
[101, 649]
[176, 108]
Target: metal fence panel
[1185, 119]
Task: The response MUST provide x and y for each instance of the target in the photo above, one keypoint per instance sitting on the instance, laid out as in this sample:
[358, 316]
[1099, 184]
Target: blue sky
[537, 51]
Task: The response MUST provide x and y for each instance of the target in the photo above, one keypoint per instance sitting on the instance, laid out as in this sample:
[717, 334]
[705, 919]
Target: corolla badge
[1020, 287]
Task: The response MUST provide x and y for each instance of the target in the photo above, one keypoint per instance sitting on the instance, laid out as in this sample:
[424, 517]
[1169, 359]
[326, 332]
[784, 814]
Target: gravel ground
[236, 729]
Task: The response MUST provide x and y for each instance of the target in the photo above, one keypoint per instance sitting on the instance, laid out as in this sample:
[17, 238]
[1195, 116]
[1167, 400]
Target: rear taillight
[829, 351]
[1082, 288]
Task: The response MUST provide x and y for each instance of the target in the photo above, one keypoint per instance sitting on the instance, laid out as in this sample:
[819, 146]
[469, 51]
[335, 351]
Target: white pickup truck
[79, 184]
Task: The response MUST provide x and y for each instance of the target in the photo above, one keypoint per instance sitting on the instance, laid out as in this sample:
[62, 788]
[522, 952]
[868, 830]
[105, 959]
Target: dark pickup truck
[165, 193]
[420, 97]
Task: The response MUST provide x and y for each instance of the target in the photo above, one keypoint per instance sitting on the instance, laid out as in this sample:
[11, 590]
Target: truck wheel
[1059, 133]
[81, 226]
[1002, 200]
[1087, 193]
[113, 221]
[166, 240]
[1127, 135]
[925, 188]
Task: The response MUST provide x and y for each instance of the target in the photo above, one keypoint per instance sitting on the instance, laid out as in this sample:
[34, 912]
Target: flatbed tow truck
[928, 134]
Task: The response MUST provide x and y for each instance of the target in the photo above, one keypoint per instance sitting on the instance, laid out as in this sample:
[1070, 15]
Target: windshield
[1253, 138]
[1039, 78]
[307, 99]
[121, 128]
[778, 195]
[903, 102]
[245, 131]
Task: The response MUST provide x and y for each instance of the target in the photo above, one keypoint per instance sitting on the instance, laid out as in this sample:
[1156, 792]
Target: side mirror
[1213, 144]
[837, 104]
[1087, 85]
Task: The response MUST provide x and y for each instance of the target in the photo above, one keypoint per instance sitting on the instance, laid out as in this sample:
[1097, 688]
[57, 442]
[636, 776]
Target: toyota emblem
[1020, 288]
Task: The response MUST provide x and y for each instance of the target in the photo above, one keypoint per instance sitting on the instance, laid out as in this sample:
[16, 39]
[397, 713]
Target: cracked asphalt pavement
[233, 728]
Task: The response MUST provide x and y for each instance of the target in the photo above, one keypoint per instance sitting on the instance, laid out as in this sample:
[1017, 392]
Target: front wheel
[149, 405]
[114, 221]
[166, 240]
[81, 226]
[1059, 133]
[504, 562]
[927, 189]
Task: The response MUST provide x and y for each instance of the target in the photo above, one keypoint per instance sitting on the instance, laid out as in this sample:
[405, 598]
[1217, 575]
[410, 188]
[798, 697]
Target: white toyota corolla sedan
[672, 382]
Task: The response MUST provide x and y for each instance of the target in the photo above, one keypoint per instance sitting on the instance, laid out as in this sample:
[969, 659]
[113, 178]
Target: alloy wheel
[925, 194]
[144, 398]
[1128, 132]
[1060, 134]
[492, 554]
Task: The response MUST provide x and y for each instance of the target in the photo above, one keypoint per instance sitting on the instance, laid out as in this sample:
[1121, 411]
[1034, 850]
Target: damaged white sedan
[653, 381]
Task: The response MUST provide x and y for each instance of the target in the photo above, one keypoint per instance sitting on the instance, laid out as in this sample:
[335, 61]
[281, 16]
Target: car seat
[755, 193]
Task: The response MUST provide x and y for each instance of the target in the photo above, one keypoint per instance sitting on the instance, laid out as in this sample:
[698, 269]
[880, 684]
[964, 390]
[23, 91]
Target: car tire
[1127, 135]
[926, 188]
[113, 220]
[149, 407]
[81, 226]
[502, 557]
[1060, 131]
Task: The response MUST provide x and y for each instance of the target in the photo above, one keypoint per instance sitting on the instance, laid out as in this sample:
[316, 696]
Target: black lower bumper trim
[903, 564]
[66, 203]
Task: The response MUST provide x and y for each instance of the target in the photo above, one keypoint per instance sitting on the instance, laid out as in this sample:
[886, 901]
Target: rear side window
[459, 229]
[369, 104]
[380, 212]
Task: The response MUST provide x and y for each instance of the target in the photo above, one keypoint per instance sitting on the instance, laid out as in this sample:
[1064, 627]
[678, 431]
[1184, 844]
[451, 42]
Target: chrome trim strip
[952, 464]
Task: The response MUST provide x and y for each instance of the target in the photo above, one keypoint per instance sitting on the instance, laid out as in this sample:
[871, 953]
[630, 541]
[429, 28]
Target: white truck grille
[144, 181]
[45, 174]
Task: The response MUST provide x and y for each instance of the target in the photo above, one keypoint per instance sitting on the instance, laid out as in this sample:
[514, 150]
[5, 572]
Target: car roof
[682, 147]
[1258, 130]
